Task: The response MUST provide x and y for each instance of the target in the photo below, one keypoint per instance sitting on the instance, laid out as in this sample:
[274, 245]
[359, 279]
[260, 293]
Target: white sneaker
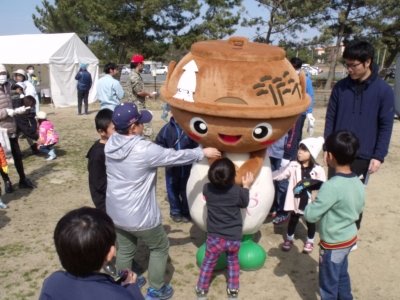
[52, 155]
[354, 248]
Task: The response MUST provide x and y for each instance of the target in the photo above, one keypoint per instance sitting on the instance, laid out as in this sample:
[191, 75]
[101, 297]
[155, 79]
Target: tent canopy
[60, 53]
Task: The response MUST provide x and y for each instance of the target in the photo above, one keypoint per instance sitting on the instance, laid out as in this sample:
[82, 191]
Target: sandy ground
[27, 253]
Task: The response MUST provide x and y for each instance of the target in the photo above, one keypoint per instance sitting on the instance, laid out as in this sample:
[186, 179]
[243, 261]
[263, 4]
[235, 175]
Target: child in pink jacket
[47, 136]
[304, 168]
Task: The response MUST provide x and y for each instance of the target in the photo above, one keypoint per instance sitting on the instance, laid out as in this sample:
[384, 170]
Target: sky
[16, 17]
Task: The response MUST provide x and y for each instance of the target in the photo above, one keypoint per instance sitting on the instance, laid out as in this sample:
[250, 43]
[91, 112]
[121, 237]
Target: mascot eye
[198, 126]
[262, 131]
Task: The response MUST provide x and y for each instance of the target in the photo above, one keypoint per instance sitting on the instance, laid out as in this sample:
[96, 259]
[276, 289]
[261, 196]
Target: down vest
[5, 102]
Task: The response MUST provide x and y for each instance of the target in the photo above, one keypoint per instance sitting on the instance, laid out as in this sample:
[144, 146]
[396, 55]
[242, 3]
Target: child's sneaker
[232, 294]
[281, 219]
[3, 205]
[308, 247]
[201, 295]
[52, 155]
[164, 293]
[287, 245]
[354, 247]
[141, 281]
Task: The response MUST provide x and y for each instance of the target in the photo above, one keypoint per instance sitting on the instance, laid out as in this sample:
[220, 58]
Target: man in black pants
[364, 104]
[84, 84]
[7, 121]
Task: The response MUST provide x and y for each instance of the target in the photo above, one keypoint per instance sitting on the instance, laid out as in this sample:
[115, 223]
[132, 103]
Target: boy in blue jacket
[82, 259]
[176, 178]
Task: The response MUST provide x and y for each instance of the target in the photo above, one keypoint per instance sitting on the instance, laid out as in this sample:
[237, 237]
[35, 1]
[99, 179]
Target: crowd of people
[122, 167]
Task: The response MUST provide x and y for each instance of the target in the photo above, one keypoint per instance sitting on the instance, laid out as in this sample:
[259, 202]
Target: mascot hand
[285, 163]
[310, 128]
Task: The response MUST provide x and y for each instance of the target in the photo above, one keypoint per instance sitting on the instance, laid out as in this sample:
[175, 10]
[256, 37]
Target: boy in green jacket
[337, 206]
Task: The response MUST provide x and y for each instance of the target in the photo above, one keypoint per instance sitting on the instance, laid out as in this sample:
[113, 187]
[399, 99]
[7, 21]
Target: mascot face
[232, 135]
[234, 95]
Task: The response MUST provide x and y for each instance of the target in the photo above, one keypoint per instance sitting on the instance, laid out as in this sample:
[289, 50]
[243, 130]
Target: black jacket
[224, 218]
[172, 136]
[97, 175]
[27, 125]
[367, 110]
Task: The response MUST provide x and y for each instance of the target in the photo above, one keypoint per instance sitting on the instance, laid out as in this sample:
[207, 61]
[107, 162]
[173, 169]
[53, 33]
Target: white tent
[56, 59]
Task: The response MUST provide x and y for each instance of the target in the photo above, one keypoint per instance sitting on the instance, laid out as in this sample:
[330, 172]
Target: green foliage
[285, 18]
[345, 19]
[217, 23]
[114, 30]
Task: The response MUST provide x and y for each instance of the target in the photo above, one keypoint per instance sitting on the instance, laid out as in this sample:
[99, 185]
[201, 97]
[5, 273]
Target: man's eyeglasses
[353, 66]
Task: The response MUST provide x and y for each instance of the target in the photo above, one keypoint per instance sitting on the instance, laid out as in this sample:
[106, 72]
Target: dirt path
[27, 253]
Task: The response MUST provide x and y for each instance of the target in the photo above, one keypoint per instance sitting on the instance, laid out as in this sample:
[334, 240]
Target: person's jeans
[214, 247]
[46, 149]
[280, 188]
[334, 279]
[156, 240]
[83, 95]
[176, 189]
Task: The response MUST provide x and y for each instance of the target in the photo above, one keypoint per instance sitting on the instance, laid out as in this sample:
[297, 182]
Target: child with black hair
[304, 168]
[97, 159]
[27, 124]
[82, 259]
[337, 207]
[224, 224]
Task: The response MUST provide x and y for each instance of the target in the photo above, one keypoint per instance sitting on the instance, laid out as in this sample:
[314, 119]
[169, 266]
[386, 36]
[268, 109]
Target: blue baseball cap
[127, 113]
[83, 65]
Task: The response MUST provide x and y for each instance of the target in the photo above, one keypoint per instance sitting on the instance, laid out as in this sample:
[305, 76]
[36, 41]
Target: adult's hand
[211, 152]
[130, 278]
[374, 166]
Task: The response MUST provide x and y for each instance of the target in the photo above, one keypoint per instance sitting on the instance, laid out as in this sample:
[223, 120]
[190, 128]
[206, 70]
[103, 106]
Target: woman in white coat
[29, 88]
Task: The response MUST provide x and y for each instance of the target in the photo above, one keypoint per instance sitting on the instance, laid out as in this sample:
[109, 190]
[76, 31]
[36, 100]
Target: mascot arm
[253, 165]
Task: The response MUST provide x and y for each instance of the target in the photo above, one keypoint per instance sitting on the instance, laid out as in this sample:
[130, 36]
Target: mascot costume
[239, 97]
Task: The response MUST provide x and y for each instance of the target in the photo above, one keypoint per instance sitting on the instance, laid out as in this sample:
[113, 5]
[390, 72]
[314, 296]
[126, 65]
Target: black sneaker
[176, 218]
[186, 219]
[201, 295]
[27, 184]
[232, 294]
[8, 187]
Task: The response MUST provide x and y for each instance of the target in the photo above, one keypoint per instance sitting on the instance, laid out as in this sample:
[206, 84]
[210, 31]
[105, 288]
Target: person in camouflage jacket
[136, 92]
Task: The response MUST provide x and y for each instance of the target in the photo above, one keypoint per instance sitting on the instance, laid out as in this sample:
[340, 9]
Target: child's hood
[46, 124]
[120, 146]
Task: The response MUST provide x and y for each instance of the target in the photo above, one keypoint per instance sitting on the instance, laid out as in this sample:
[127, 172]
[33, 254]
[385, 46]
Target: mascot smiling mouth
[229, 139]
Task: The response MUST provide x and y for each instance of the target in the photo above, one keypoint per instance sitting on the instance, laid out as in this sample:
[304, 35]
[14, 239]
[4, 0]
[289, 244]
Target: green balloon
[251, 255]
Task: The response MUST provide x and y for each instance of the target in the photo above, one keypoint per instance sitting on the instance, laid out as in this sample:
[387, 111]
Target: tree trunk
[332, 67]
[392, 56]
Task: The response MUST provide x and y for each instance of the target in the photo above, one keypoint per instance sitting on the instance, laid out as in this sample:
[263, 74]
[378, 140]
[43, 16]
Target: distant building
[329, 50]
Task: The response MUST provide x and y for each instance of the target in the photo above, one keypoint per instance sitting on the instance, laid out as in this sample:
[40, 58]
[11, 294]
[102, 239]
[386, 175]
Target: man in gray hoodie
[131, 202]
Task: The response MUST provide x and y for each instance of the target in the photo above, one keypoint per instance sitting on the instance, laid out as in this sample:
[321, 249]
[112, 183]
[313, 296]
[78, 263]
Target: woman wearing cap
[7, 121]
[20, 76]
